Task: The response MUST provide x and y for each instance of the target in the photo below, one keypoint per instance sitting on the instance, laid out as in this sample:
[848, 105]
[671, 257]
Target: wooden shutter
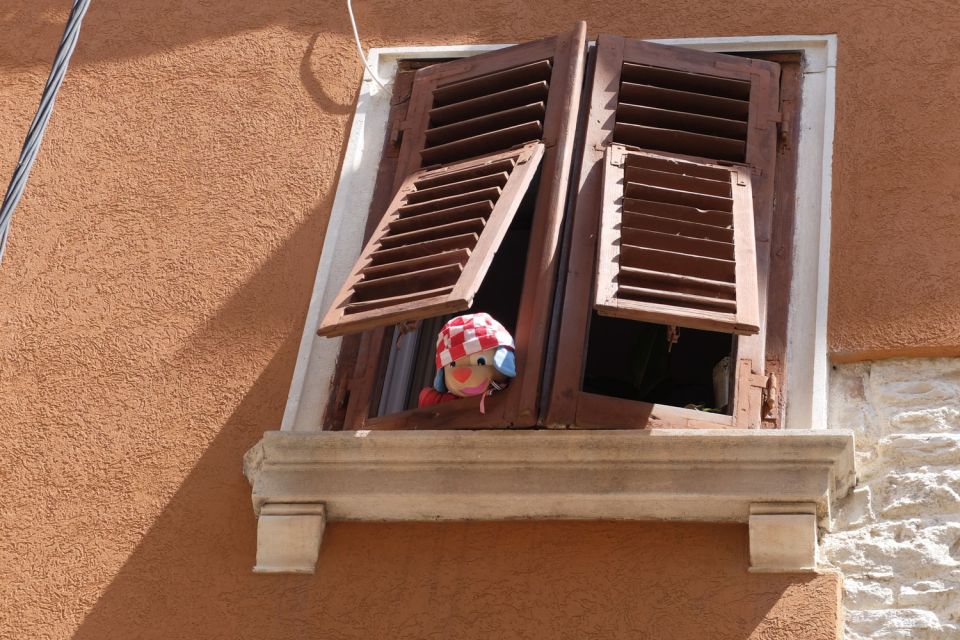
[431, 250]
[488, 103]
[685, 104]
[689, 105]
[676, 243]
[478, 125]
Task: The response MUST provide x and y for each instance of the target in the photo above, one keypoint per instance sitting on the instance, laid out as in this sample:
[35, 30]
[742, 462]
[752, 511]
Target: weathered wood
[486, 123]
[602, 412]
[377, 296]
[483, 143]
[517, 406]
[721, 105]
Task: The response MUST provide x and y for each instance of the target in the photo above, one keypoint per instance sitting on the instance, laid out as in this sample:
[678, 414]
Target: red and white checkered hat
[469, 334]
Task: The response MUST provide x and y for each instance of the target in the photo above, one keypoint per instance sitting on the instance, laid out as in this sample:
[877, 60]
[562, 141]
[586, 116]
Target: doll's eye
[481, 361]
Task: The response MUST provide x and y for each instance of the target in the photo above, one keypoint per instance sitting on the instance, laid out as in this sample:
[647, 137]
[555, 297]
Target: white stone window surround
[806, 367]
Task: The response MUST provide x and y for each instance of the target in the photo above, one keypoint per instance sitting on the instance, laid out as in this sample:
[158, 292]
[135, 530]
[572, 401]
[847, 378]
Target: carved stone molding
[761, 477]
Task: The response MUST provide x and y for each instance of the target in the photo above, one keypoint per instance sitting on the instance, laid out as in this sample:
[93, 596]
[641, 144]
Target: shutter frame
[743, 319]
[569, 405]
[455, 297]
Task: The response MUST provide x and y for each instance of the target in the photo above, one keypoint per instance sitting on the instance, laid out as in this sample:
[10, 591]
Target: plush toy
[474, 358]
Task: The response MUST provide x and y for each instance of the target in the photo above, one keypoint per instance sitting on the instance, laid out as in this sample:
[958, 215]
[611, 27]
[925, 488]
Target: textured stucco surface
[159, 271]
[897, 537]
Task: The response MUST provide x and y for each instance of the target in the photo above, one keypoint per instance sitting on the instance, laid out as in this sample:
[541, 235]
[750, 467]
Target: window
[522, 405]
[301, 477]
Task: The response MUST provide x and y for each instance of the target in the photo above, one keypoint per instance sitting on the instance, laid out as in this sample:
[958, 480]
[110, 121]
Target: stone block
[915, 494]
[910, 450]
[886, 624]
[782, 542]
[288, 537]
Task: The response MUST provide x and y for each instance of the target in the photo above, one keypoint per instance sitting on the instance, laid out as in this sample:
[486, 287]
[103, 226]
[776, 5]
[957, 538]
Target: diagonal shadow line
[190, 575]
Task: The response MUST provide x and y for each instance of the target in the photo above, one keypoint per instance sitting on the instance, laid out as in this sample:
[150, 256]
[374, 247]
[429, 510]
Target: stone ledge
[666, 474]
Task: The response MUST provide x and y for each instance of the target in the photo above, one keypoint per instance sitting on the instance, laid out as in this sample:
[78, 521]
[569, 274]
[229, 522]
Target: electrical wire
[31, 145]
[363, 58]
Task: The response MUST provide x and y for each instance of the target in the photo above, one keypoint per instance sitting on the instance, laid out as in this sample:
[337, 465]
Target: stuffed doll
[474, 358]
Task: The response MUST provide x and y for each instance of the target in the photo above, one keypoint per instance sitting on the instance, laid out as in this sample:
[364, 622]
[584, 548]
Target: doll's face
[471, 375]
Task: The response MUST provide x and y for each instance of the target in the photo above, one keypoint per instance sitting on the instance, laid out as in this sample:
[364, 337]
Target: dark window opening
[636, 361]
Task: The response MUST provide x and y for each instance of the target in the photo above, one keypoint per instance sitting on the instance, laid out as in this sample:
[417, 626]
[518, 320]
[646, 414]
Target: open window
[668, 230]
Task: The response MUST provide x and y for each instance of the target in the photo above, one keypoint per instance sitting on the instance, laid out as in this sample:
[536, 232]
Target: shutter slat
[455, 188]
[434, 244]
[483, 143]
[446, 175]
[686, 299]
[673, 141]
[398, 285]
[676, 196]
[485, 124]
[706, 217]
[685, 101]
[681, 120]
[680, 181]
[420, 249]
[678, 243]
[681, 284]
[663, 163]
[492, 82]
[683, 264]
[685, 81]
[671, 225]
[458, 256]
[479, 195]
[444, 216]
[380, 303]
[501, 101]
[475, 225]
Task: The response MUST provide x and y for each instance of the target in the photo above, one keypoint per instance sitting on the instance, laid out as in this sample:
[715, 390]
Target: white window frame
[806, 365]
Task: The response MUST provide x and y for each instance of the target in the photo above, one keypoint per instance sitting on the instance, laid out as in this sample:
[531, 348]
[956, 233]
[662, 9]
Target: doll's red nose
[460, 374]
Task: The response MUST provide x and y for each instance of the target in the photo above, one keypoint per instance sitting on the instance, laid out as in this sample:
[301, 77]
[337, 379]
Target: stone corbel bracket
[780, 482]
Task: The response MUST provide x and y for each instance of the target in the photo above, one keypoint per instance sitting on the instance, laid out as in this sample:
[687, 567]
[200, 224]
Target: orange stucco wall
[158, 274]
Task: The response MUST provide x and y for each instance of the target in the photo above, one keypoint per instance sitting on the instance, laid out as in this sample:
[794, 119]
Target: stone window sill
[780, 482]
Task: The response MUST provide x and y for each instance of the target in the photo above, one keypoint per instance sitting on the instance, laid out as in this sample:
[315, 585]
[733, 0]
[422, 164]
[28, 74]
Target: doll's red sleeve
[430, 396]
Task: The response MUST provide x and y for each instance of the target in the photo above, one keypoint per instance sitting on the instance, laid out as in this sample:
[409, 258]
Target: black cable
[31, 145]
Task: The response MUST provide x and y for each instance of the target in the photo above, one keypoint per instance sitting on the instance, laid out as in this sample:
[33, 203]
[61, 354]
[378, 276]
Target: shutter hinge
[754, 394]
[785, 125]
[396, 132]
[771, 399]
[617, 155]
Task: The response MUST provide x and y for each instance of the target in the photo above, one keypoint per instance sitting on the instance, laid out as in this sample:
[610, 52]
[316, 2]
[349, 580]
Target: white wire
[363, 58]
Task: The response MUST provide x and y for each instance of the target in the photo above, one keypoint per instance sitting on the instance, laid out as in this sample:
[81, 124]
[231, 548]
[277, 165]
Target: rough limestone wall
[897, 537]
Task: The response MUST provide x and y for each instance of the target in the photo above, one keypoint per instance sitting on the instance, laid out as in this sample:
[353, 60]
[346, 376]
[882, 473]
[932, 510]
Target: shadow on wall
[190, 575]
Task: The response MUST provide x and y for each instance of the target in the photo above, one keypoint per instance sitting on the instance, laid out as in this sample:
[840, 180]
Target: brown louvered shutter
[676, 243]
[433, 246]
[706, 109]
[469, 109]
[693, 105]
[483, 104]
